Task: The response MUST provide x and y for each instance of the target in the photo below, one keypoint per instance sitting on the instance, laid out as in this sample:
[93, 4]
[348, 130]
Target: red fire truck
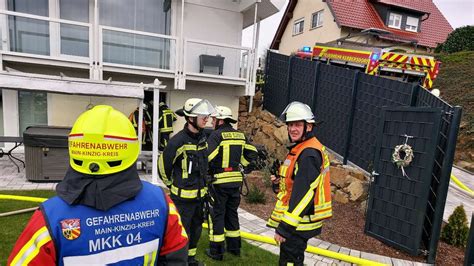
[376, 61]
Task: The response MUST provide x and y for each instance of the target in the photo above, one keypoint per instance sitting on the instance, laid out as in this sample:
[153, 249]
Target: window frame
[400, 20]
[319, 14]
[298, 21]
[410, 25]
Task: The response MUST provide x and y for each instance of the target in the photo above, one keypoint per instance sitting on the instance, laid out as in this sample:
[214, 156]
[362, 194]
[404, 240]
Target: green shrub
[456, 231]
[461, 39]
[256, 196]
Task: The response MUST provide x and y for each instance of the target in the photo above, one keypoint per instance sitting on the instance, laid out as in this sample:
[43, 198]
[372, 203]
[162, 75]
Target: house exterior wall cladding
[304, 9]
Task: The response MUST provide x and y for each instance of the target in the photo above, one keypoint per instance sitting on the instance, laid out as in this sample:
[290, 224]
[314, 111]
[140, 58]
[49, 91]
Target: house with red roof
[402, 25]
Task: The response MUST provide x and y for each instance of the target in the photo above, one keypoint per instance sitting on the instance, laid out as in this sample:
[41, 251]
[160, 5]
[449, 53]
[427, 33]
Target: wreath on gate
[397, 159]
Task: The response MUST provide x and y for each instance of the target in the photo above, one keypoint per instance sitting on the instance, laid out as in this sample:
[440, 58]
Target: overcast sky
[458, 12]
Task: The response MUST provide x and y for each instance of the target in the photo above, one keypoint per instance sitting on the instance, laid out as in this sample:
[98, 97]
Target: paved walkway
[10, 179]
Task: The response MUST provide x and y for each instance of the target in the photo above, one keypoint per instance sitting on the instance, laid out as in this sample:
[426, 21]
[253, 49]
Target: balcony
[98, 49]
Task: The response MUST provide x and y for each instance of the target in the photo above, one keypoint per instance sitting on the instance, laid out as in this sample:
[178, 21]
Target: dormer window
[412, 24]
[395, 20]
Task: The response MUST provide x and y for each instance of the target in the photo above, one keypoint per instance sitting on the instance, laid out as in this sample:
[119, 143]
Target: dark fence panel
[302, 81]
[441, 170]
[333, 105]
[276, 83]
[397, 201]
[373, 93]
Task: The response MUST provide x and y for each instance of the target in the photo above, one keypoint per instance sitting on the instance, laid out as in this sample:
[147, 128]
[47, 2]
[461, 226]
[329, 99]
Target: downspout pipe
[256, 31]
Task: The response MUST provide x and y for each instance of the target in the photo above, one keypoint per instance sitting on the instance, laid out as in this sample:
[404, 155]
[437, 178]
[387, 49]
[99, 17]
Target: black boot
[193, 262]
[214, 256]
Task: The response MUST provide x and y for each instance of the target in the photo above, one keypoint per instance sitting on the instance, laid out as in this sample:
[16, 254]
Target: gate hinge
[373, 175]
[449, 113]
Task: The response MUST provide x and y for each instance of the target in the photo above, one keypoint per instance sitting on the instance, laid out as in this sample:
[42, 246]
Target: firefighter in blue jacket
[183, 168]
[227, 150]
[103, 213]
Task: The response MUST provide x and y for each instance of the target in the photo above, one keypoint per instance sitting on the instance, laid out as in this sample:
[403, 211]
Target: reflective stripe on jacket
[166, 120]
[319, 192]
[183, 164]
[227, 149]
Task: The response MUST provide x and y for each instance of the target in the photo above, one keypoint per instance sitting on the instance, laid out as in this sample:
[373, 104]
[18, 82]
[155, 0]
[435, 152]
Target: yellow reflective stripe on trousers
[291, 219]
[149, 259]
[32, 247]
[216, 238]
[235, 233]
[192, 252]
[187, 193]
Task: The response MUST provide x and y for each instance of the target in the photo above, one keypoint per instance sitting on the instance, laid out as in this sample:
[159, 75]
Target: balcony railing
[203, 58]
[45, 37]
[94, 45]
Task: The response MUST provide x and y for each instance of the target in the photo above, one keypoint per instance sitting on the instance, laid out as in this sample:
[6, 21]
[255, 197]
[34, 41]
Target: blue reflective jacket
[130, 233]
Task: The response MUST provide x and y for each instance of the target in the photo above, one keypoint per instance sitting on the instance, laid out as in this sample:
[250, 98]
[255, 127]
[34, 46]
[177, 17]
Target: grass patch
[12, 226]
[250, 255]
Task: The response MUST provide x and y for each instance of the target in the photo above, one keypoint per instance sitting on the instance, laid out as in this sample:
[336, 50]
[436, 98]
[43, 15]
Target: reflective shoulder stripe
[250, 147]
[213, 154]
[114, 255]
[192, 252]
[32, 247]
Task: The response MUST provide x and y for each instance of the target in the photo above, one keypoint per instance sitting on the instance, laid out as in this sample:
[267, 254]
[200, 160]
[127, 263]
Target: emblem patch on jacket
[71, 228]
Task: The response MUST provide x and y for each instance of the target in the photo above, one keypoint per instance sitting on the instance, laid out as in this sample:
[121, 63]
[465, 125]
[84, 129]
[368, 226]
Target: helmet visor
[202, 108]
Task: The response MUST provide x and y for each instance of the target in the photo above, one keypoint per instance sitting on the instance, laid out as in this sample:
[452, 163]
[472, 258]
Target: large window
[395, 20]
[29, 35]
[298, 26]
[152, 16]
[74, 38]
[412, 24]
[33, 109]
[317, 19]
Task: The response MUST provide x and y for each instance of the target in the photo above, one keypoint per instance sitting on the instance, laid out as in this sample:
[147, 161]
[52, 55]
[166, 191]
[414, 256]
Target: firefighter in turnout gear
[147, 126]
[103, 213]
[183, 168]
[227, 149]
[304, 197]
[166, 119]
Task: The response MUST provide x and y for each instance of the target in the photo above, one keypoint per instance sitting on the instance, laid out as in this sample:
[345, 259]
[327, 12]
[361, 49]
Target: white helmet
[296, 111]
[224, 113]
[196, 106]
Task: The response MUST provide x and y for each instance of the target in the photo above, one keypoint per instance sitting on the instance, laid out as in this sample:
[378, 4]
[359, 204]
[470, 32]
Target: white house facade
[190, 48]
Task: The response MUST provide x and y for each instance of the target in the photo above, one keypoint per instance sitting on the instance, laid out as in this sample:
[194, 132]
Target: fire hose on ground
[461, 185]
[246, 235]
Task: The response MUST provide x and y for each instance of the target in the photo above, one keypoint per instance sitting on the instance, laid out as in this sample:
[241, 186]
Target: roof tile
[361, 14]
